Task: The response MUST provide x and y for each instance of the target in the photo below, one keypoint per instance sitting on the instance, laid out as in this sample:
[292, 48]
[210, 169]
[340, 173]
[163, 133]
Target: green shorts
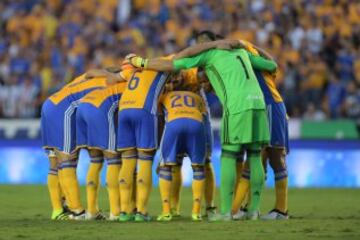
[245, 128]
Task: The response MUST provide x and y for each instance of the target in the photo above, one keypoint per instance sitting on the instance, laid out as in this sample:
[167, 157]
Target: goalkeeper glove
[139, 62]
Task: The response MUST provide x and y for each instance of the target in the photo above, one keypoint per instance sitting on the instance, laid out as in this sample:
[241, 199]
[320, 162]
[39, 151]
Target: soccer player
[137, 139]
[96, 131]
[184, 134]
[58, 135]
[275, 152]
[194, 80]
[244, 122]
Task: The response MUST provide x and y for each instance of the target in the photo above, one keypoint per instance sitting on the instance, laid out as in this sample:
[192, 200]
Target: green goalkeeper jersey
[232, 77]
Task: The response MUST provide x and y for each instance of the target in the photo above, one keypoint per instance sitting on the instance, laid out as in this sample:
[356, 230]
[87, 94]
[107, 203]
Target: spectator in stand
[309, 39]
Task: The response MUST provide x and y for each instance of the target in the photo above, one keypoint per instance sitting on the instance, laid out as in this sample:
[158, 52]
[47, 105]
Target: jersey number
[188, 101]
[134, 83]
[243, 65]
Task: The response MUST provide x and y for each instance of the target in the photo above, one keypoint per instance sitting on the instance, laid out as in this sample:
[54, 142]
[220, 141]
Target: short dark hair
[209, 34]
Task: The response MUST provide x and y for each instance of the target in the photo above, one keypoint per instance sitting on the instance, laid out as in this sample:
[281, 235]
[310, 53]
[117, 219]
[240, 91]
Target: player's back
[183, 104]
[143, 91]
[77, 89]
[231, 75]
[110, 94]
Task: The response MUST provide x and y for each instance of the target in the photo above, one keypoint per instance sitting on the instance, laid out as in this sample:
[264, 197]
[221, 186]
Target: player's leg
[241, 198]
[210, 185]
[277, 163]
[229, 156]
[169, 158]
[54, 188]
[126, 181]
[112, 175]
[257, 180]
[93, 184]
[165, 184]
[196, 149]
[126, 144]
[210, 188]
[146, 130]
[176, 186]
[70, 184]
[144, 183]
[51, 139]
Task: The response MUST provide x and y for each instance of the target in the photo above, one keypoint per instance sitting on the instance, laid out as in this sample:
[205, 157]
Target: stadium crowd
[44, 44]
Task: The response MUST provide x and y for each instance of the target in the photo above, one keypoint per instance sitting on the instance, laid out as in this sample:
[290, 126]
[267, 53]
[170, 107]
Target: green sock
[227, 181]
[257, 179]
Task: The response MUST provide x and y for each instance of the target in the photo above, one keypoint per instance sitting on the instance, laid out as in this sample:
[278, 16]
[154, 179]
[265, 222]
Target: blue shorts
[279, 133]
[137, 129]
[183, 136]
[96, 127]
[58, 123]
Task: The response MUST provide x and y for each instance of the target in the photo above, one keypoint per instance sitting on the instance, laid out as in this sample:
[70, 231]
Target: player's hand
[139, 62]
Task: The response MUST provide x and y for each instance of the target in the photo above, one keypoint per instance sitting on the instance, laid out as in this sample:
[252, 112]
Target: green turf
[316, 214]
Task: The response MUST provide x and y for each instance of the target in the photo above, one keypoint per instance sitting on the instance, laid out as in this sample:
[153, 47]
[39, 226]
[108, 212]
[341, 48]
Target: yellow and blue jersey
[143, 91]
[266, 81]
[99, 96]
[184, 129]
[95, 118]
[77, 89]
[58, 113]
[183, 104]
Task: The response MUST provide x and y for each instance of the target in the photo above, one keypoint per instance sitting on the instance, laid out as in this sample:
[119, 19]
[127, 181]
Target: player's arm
[164, 65]
[112, 75]
[262, 52]
[201, 47]
[262, 64]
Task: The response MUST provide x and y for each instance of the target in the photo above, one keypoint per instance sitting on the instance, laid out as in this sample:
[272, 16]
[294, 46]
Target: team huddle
[124, 115]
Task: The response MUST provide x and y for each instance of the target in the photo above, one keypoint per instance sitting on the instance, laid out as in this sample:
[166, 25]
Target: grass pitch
[316, 214]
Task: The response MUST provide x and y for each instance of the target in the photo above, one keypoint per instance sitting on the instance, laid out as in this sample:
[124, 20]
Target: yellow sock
[209, 185]
[64, 192]
[54, 190]
[198, 185]
[239, 169]
[71, 185]
[240, 194]
[126, 178]
[93, 184]
[281, 190]
[143, 185]
[176, 186]
[112, 184]
[133, 194]
[165, 185]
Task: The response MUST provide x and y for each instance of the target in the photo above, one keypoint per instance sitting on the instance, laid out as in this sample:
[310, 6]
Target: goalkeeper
[244, 123]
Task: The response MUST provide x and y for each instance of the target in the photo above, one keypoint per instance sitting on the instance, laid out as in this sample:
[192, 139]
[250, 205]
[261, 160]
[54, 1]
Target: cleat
[99, 216]
[175, 213]
[124, 217]
[164, 218]
[139, 217]
[275, 215]
[60, 215]
[253, 216]
[78, 215]
[210, 212]
[113, 218]
[196, 217]
[220, 218]
[240, 215]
